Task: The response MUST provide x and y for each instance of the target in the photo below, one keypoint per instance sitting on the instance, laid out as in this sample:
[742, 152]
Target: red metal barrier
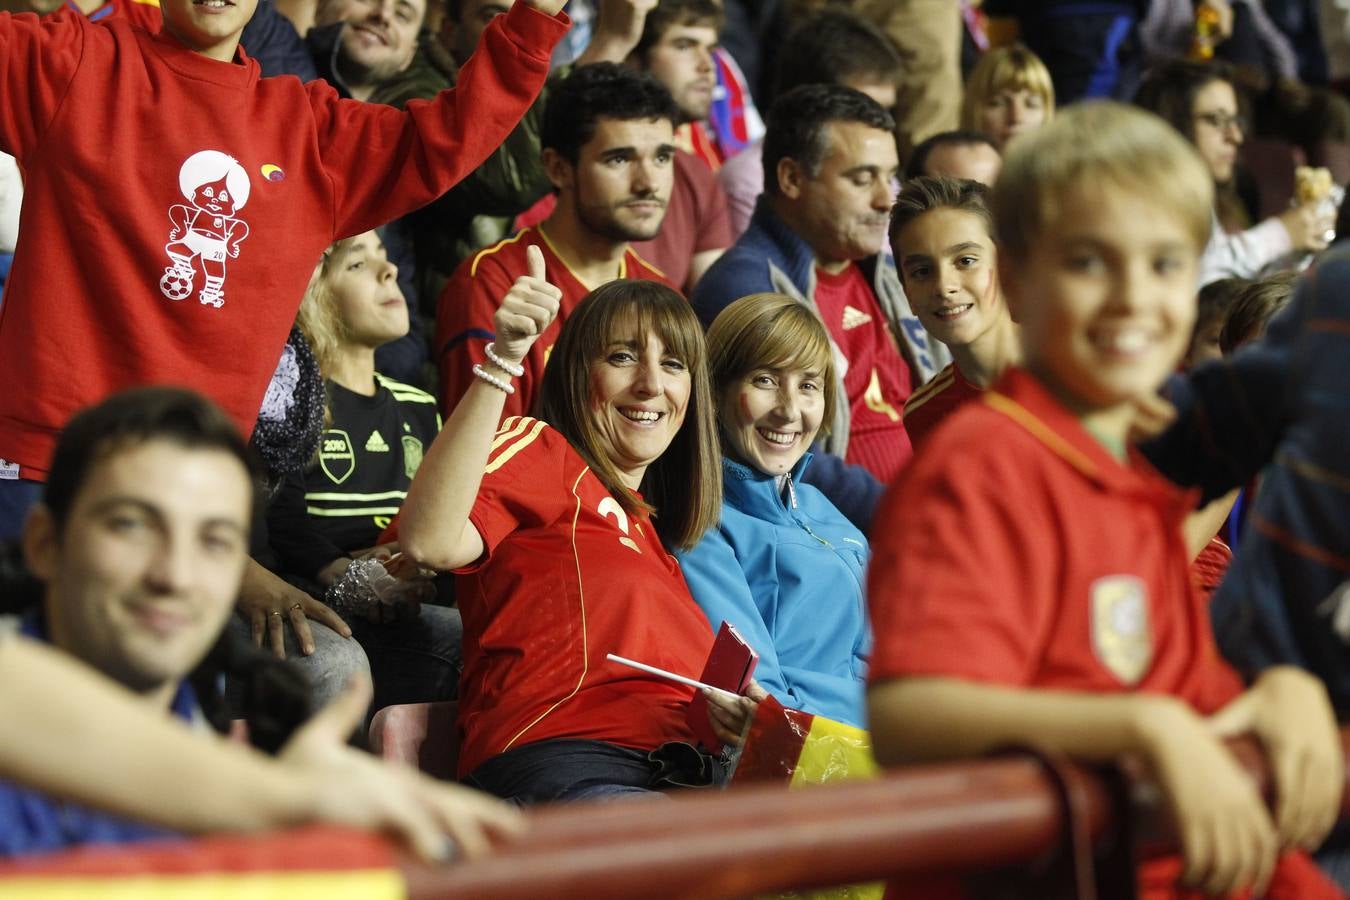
[956, 817]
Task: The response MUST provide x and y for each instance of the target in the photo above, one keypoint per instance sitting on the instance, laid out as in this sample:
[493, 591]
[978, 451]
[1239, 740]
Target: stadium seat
[419, 734]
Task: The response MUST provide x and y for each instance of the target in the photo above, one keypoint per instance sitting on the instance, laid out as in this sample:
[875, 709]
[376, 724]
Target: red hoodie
[175, 205]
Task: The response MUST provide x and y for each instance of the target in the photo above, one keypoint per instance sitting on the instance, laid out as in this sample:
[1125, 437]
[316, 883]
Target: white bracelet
[480, 372]
[514, 370]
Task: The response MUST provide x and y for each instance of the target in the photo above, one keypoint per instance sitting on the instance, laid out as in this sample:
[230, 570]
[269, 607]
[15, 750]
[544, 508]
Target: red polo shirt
[935, 401]
[1016, 550]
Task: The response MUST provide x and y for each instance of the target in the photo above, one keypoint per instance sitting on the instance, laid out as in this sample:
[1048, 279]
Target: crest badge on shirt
[412, 455]
[336, 457]
[1121, 635]
[206, 231]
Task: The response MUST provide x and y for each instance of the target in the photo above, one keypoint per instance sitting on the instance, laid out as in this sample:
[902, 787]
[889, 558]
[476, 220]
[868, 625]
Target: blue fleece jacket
[787, 572]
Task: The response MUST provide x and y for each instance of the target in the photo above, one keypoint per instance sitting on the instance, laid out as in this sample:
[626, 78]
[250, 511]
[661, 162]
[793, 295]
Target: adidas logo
[375, 443]
[854, 317]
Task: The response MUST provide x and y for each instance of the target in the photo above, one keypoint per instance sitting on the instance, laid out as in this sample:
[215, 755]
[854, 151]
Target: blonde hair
[1094, 144]
[1011, 68]
[770, 331]
[318, 319]
[684, 485]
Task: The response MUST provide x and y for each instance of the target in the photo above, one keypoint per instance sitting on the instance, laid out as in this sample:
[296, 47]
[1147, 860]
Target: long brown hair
[684, 486]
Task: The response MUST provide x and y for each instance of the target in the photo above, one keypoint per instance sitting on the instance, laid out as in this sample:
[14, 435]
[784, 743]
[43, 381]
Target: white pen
[653, 670]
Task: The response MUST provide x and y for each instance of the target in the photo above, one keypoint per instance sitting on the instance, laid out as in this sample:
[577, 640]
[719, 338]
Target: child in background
[1213, 303]
[1008, 92]
[1024, 591]
[376, 430]
[943, 241]
[1253, 309]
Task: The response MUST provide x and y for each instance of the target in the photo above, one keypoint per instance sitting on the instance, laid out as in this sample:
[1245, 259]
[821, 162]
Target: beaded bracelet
[480, 372]
[512, 369]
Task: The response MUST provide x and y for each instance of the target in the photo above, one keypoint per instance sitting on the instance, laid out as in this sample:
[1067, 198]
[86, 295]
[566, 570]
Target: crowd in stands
[357, 353]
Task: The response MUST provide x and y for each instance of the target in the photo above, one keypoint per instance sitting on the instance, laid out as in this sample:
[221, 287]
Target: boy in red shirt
[1045, 597]
[176, 203]
[942, 234]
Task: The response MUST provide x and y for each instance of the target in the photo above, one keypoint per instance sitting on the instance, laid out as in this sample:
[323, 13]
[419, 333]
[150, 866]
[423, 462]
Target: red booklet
[729, 667]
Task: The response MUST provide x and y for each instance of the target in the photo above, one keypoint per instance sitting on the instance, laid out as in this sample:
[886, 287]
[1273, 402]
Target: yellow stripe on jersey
[336, 495]
[351, 511]
[581, 595]
[511, 427]
[154, 3]
[506, 455]
[370, 884]
[929, 391]
[488, 251]
[403, 391]
[1042, 432]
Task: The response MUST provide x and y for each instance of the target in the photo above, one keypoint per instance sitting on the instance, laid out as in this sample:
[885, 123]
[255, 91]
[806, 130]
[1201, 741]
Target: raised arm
[435, 528]
[385, 162]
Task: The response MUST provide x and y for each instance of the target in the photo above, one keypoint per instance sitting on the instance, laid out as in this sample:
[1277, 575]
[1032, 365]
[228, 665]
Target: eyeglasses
[1222, 121]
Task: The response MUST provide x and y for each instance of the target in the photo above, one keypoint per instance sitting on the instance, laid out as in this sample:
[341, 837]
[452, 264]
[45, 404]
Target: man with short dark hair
[608, 138]
[140, 542]
[676, 47]
[831, 47]
[956, 154]
[817, 235]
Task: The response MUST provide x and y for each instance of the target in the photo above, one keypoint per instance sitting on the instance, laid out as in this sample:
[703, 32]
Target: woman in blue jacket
[783, 565]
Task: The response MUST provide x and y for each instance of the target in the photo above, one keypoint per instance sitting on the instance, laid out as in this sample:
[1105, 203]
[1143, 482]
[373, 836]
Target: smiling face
[771, 416]
[210, 27]
[1007, 114]
[1218, 128]
[214, 198]
[682, 61]
[949, 269]
[843, 210]
[380, 38]
[366, 296]
[639, 392]
[145, 572]
[1106, 299]
[622, 179]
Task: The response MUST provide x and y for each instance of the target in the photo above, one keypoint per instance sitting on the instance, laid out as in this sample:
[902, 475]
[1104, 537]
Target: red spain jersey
[877, 380]
[1015, 550]
[567, 577]
[470, 299]
[935, 401]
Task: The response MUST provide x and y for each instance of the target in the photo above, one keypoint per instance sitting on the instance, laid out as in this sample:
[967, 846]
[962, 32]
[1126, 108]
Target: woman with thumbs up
[561, 529]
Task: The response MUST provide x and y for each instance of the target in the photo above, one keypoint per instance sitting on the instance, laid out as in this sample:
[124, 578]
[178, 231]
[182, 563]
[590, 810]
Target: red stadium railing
[950, 818]
[956, 818]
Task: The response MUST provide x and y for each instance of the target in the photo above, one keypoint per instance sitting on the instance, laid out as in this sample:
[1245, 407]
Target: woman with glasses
[1199, 100]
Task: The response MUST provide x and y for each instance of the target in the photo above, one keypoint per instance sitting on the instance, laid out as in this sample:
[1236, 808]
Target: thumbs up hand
[527, 310]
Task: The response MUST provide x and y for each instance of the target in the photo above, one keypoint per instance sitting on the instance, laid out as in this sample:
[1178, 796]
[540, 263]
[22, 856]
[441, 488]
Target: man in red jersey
[607, 139]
